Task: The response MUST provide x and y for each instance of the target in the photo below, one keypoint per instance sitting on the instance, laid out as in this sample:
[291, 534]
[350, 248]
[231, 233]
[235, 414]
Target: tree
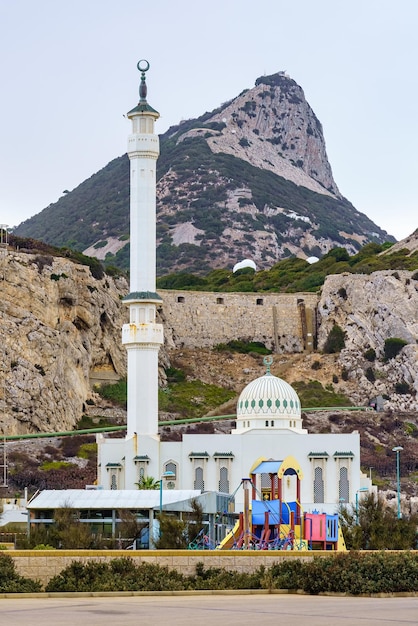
[378, 527]
[148, 483]
[335, 341]
[173, 534]
[68, 532]
[130, 527]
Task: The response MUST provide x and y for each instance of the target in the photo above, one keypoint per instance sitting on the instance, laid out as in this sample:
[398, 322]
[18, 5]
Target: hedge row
[353, 573]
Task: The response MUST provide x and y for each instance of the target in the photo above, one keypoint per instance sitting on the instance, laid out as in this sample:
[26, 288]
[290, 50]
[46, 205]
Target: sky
[68, 75]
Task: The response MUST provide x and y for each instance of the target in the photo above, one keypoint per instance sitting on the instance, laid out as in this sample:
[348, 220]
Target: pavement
[233, 610]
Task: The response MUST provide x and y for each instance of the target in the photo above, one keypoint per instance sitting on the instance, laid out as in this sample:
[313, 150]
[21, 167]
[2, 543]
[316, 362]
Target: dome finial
[268, 360]
[143, 66]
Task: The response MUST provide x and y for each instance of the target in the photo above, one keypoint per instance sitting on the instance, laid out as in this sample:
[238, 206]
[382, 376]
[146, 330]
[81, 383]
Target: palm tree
[148, 483]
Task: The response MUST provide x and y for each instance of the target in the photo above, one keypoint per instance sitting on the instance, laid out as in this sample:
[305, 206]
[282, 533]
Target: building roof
[268, 396]
[109, 498]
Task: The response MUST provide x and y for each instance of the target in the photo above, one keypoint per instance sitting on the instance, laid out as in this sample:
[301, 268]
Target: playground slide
[231, 538]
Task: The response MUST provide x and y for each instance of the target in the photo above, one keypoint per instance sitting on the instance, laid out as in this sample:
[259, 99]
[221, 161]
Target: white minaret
[142, 336]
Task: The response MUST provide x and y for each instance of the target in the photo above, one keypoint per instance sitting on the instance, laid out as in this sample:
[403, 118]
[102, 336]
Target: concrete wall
[42, 565]
[196, 319]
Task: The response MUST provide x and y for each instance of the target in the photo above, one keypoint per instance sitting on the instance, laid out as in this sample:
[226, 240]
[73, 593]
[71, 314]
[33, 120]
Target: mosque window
[171, 467]
[199, 482]
[318, 486]
[113, 481]
[344, 485]
[267, 423]
[223, 480]
[219, 300]
[259, 301]
[180, 299]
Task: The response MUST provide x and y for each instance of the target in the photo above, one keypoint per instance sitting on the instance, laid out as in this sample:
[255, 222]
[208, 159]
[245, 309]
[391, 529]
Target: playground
[272, 521]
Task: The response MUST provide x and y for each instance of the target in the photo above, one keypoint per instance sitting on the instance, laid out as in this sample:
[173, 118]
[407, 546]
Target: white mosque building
[268, 445]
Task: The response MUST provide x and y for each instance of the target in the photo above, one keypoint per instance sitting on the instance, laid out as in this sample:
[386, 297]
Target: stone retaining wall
[42, 565]
[196, 319]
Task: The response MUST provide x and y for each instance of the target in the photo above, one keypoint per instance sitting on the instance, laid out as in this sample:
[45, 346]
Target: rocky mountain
[248, 180]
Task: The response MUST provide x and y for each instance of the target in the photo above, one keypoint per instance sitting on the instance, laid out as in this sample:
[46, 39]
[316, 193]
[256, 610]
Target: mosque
[268, 451]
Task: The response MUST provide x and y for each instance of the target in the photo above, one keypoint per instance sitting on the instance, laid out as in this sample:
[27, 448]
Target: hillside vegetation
[296, 275]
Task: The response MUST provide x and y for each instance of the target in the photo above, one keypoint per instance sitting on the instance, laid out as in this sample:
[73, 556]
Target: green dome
[268, 396]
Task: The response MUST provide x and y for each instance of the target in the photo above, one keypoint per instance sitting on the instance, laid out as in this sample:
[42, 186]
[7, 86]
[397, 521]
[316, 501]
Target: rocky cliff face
[59, 328]
[273, 128]
[61, 333]
[371, 309]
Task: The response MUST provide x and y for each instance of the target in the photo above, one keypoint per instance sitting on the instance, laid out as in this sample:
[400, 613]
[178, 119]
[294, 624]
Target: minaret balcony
[149, 333]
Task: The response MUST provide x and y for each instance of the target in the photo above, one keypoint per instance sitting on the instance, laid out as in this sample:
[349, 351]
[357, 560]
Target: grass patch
[47, 466]
[192, 398]
[313, 394]
[116, 392]
[87, 451]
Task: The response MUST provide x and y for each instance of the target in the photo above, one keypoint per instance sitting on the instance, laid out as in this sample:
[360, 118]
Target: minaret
[142, 336]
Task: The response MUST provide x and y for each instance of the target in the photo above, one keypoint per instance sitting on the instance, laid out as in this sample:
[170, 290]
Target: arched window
[113, 481]
[199, 482]
[344, 485]
[223, 480]
[171, 467]
[318, 485]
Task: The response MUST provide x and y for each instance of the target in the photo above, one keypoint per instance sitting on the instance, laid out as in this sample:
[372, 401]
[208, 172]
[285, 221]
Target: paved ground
[266, 610]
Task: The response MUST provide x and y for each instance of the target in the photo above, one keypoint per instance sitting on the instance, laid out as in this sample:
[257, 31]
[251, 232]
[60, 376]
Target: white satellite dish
[312, 259]
[244, 263]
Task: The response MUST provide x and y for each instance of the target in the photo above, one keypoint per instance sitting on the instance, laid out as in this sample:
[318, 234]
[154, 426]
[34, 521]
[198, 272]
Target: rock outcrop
[59, 327]
[371, 309]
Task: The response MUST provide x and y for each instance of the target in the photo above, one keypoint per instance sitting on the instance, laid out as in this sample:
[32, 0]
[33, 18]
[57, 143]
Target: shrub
[369, 373]
[344, 373]
[353, 572]
[11, 581]
[393, 345]
[175, 375]
[243, 347]
[316, 365]
[403, 388]
[370, 355]
[118, 575]
[335, 341]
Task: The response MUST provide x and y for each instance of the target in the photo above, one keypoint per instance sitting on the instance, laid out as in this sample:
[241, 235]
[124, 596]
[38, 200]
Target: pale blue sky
[68, 74]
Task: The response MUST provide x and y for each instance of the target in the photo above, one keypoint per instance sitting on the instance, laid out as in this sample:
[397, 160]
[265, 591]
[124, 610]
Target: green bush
[118, 575]
[370, 375]
[370, 355]
[335, 341]
[11, 581]
[393, 346]
[243, 347]
[403, 388]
